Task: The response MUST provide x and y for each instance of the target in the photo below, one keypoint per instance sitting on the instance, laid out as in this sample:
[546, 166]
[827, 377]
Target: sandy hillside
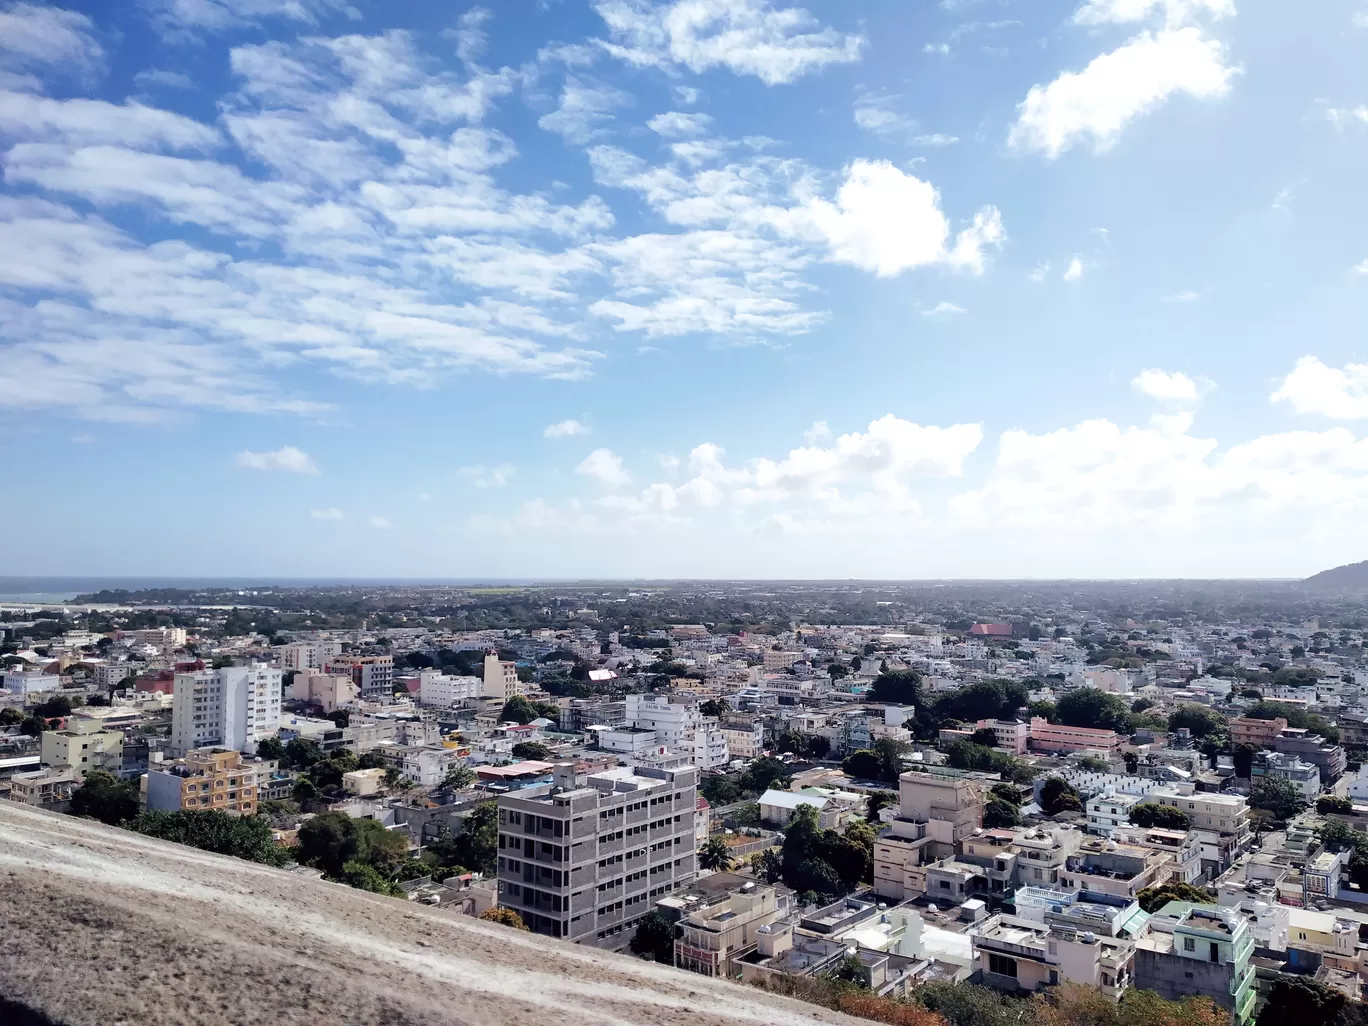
[101, 927]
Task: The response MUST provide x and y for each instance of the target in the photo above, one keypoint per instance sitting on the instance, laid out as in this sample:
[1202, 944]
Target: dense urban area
[938, 804]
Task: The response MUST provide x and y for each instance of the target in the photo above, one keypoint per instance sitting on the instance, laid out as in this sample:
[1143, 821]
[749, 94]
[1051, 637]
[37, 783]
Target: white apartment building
[444, 691]
[678, 725]
[1221, 822]
[233, 707]
[501, 678]
[30, 683]
[108, 675]
[744, 741]
[372, 675]
[1110, 810]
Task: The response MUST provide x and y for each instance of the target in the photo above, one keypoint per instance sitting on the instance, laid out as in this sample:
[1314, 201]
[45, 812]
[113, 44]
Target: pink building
[1012, 735]
[1053, 737]
[991, 630]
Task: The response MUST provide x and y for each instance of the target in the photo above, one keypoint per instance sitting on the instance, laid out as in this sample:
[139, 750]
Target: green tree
[1057, 796]
[242, 837]
[54, 708]
[332, 839]
[765, 773]
[849, 970]
[517, 710]
[1152, 899]
[1278, 795]
[1094, 764]
[715, 707]
[716, 855]
[1089, 707]
[1198, 719]
[877, 802]
[1299, 999]
[365, 877]
[301, 752]
[768, 865]
[1156, 814]
[531, 750]
[271, 748]
[862, 765]
[654, 938]
[900, 687]
[998, 813]
[105, 797]
[459, 777]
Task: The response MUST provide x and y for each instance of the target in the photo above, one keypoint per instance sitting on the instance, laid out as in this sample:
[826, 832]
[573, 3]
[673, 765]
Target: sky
[699, 288]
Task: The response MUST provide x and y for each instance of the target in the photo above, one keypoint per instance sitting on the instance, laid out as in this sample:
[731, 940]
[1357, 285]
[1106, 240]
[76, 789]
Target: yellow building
[207, 778]
[84, 746]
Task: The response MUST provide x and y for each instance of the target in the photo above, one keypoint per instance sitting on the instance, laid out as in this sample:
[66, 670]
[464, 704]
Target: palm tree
[716, 855]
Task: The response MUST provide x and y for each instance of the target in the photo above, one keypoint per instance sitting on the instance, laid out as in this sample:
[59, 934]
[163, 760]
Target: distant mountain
[1353, 577]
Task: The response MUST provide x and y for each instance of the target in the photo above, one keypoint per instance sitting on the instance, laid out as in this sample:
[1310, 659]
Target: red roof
[992, 630]
[702, 804]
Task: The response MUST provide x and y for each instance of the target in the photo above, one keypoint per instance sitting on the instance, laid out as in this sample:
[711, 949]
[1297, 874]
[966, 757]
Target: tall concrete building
[679, 725]
[501, 678]
[587, 856]
[937, 808]
[233, 707]
[83, 746]
[372, 675]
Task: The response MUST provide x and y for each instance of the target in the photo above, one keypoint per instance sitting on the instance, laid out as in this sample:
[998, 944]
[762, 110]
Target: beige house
[720, 920]
[83, 746]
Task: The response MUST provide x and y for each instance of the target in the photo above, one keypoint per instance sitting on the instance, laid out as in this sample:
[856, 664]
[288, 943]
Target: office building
[501, 678]
[443, 691]
[587, 856]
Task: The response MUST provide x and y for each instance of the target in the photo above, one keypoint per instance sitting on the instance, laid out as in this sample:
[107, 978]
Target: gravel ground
[102, 927]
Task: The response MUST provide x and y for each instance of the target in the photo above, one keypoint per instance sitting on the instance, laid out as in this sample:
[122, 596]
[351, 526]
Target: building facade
[501, 678]
[588, 856]
[207, 778]
[1207, 953]
[232, 707]
[83, 746]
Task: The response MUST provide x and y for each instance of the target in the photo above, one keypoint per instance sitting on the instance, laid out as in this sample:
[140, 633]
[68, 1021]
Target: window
[1189, 944]
[1002, 966]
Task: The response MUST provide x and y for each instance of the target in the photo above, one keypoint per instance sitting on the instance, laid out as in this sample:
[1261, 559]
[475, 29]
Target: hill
[1352, 577]
[102, 926]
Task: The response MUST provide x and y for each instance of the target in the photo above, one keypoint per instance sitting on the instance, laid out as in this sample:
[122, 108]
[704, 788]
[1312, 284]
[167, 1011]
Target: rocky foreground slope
[101, 926]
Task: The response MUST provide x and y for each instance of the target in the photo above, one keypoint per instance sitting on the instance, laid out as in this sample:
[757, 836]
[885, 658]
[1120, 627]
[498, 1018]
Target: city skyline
[721, 289]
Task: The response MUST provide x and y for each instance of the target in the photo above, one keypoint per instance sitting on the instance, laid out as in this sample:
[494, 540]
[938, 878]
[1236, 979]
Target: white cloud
[1098, 102]
[34, 37]
[585, 107]
[287, 458]
[471, 38]
[876, 114]
[940, 48]
[820, 431]
[565, 429]
[942, 310]
[1361, 268]
[1342, 116]
[1187, 296]
[887, 221]
[685, 95]
[1360, 19]
[1040, 272]
[94, 122]
[490, 477]
[679, 125]
[379, 523]
[1075, 269]
[605, 467]
[748, 37]
[1173, 12]
[935, 139]
[1334, 392]
[182, 19]
[161, 77]
[331, 513]
[1167, 386]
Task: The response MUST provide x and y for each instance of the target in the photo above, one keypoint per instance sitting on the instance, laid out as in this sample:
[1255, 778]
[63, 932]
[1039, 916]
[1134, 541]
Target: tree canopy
[1089, 707]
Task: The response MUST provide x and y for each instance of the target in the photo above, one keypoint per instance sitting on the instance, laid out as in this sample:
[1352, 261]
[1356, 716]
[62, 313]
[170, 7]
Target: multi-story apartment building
[1329, 759]
[937, 809]
[372, 675]
[1011, 735]
[1108, 811]
[1302, 775]
[1220, 820]
[309, 655]
[720, 918]
[444, 691]
[164, 638]
[744, 740]
[83, 746]
[25, 683]
[1207, 952]
[1183, 848]
[679, 725]
[1117, 870]
[327, 690]
[501, 678]
[1245, 730]
[232, 707]
[207, 778]
[110, 675]
[1057, 738]
[1021, 955]
[587, 856]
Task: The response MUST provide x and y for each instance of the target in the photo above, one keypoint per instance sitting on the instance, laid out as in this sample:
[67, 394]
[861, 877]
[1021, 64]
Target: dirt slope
[101, 927]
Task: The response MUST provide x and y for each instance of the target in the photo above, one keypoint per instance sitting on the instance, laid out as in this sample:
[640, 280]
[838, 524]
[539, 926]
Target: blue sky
[708, 288]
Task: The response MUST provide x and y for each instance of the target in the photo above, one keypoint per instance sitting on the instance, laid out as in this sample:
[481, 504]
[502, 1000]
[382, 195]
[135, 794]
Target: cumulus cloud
[1340, 393]
[565, 429]
[585, 108]
[1098, 102]
[330, 513]
[287, 458]
[942, 310]
[887, 221]
[775, 43]
[1075, 269]
[1167, 386]
[379, 523]
[605, 467]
